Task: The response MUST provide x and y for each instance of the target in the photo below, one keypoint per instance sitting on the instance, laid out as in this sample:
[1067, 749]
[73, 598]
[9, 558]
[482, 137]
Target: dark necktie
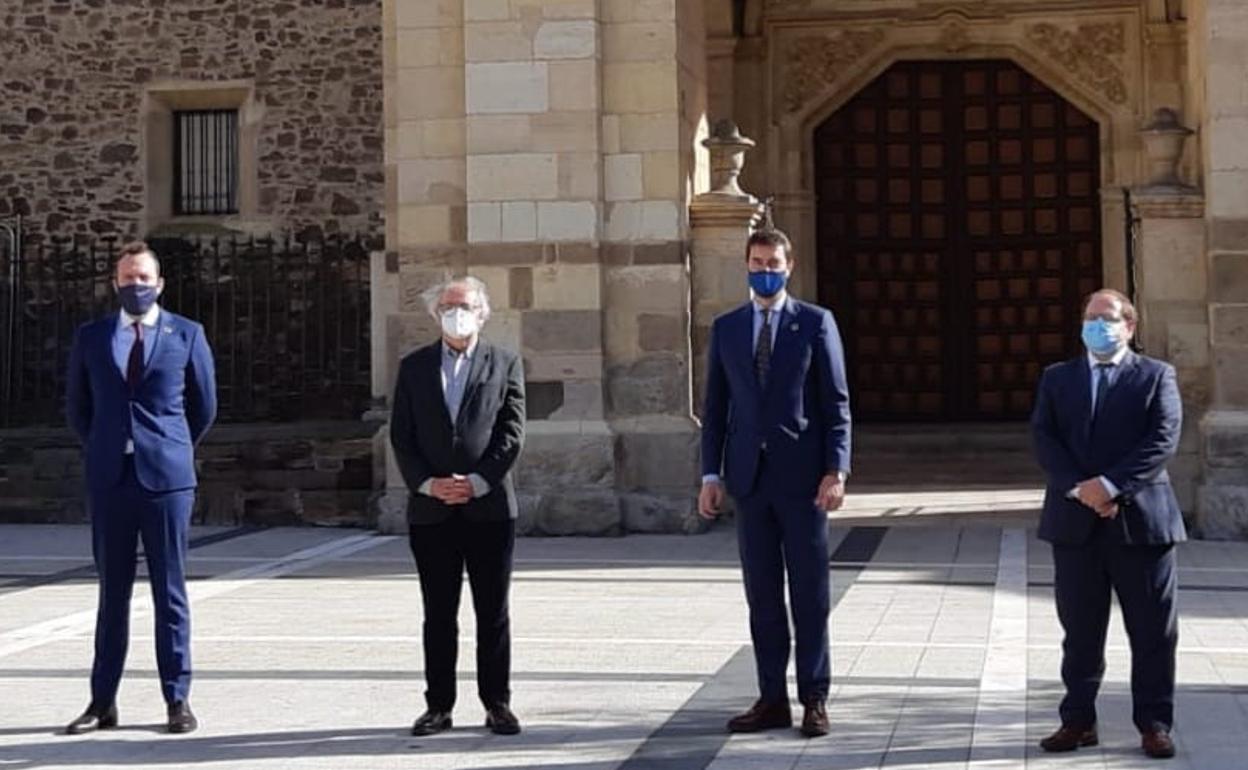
[1102, 389]
[762, 351]
[134, 366]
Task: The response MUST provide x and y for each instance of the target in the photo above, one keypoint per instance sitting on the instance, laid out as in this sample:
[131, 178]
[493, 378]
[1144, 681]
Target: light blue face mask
[1102, 338]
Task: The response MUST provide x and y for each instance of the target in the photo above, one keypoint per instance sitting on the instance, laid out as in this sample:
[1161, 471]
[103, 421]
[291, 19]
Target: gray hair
[433, 295]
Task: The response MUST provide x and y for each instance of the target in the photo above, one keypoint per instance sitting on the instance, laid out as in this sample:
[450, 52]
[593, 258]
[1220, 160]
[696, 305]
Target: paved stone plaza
[629, 653]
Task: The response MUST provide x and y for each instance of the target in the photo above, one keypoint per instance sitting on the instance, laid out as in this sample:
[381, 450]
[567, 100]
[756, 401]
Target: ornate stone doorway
[958, 227]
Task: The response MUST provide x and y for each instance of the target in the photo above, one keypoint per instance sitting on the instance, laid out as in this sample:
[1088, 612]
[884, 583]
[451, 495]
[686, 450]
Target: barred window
[205, 162]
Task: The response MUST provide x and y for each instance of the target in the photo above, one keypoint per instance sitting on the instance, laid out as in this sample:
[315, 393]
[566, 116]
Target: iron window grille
[205, 162]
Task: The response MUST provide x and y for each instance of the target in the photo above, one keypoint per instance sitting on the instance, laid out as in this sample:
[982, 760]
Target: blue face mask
[137, 299]
[766, 283]
[1102, 338]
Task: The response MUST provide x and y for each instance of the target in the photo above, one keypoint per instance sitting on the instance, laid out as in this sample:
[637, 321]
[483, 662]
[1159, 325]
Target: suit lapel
[433, 382]
[156, 334]
[742, 342]
[1083, 393]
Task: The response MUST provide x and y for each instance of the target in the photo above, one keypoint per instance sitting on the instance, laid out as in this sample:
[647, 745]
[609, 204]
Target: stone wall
[254, 475]
[79, 151]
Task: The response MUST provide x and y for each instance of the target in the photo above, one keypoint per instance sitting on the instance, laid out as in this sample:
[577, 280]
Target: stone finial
[1163, 147]
[727, 148]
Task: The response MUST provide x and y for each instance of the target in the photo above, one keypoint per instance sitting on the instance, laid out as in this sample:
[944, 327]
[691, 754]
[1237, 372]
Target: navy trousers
[118, 520]
[1145, 580]
[779, 532]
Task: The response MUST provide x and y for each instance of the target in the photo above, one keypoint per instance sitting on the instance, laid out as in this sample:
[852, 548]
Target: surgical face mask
[1103, 338]
[137, 299]
[458, 323]
[766, 283]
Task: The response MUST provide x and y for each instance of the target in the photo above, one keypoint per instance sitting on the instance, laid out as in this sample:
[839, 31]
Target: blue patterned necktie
[1102, 389]
[762, 351]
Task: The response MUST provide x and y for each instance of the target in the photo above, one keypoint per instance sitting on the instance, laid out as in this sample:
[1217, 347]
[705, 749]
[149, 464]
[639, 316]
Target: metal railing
[288, 321]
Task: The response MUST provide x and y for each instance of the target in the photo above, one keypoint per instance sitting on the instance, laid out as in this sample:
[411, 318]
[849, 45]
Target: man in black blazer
[457, 428]
[1105, 425]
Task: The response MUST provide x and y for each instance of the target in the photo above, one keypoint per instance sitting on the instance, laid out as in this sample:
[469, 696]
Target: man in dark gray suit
[457, 429]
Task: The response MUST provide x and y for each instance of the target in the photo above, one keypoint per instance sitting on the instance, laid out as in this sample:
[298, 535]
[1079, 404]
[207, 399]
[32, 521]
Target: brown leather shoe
[762, 716]
[1157, 744]
[1069, 738]
[815, 720]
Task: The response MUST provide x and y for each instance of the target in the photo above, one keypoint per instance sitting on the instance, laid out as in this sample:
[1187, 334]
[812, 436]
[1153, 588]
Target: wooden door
[958, 230]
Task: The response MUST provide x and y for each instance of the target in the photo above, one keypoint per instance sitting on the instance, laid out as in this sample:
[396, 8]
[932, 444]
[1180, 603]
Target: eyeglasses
[1109, 318]
[461, 306]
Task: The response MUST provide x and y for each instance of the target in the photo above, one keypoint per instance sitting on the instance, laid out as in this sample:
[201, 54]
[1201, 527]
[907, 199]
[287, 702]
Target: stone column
[722, 220]
[1171, 285]
[1219, 31]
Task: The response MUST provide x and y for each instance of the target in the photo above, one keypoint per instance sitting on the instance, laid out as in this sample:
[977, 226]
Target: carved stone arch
[1111, 117]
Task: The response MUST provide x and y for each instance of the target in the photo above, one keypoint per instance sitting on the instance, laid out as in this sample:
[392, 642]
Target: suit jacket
[485, 439]
[169, 412]
[801, 418]
[1129, 443]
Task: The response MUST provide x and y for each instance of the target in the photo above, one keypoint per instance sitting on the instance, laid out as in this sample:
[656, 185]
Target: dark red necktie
[134, 367]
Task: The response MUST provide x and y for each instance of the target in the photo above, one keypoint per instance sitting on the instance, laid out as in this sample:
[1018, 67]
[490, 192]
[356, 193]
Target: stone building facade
[90, 90]
[956, 173]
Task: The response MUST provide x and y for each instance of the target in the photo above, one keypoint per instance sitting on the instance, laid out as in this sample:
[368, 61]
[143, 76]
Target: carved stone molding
[814, 62]
[954, 36]
[1093, 53]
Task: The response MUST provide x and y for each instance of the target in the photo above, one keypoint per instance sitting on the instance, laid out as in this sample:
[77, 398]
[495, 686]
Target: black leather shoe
[1157, 744]
[181, 720]
[432, 722]
[1069, 738]
[93, 719]
[501, 720]
[815, 720]
[762, 716]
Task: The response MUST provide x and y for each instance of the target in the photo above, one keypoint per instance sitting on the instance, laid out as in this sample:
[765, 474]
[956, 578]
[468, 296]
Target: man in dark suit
[1105, 425]
[140, 394]
[457, 428]
[776, 425]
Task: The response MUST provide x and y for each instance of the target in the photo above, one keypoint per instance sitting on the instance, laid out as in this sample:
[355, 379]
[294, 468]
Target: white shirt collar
[149, 318]
[1115, 361]
[448, 350]
[777, 306]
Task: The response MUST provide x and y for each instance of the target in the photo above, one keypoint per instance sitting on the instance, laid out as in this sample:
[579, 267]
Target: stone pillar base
[1223, 494]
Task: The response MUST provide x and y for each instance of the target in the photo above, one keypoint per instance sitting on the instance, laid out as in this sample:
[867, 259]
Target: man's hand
[711, 500]
[831, 492]
[450, 490]
[1092, 493]
[1108, 510]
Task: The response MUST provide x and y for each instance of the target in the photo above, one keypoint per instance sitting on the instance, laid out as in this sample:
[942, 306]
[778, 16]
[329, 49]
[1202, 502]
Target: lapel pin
[167, 329]
[793, 328]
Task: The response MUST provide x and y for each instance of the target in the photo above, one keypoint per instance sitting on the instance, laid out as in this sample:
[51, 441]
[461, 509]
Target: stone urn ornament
[1163, 139]
[727, 148]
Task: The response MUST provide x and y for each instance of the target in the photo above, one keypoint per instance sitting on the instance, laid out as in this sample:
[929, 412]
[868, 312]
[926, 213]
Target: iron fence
[287, 320]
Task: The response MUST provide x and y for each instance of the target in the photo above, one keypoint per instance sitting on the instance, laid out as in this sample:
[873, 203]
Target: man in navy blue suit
[1105, 425]
[140, 394]
[776, 436]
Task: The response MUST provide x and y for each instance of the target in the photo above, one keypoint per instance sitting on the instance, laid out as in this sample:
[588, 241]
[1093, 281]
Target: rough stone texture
[592, 511]
[75, 76]
[257, 475]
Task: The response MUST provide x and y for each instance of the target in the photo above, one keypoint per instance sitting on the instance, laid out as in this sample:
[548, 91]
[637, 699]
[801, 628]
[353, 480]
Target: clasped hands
[830, 497]
[452, 490]
[1092, 493]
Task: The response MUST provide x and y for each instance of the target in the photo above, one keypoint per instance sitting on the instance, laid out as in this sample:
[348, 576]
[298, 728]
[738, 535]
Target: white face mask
[459, 323]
